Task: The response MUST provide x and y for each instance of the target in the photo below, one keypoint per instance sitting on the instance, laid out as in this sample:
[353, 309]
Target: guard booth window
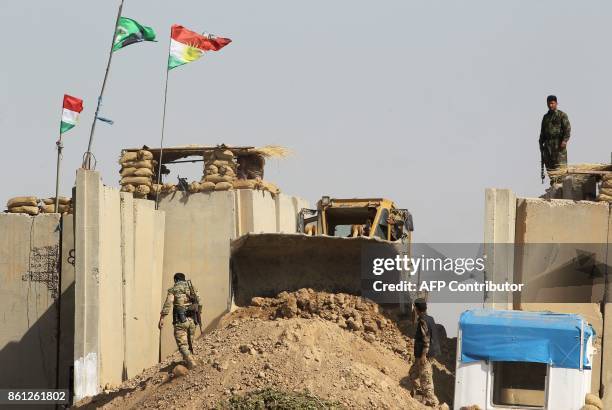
[519, 384]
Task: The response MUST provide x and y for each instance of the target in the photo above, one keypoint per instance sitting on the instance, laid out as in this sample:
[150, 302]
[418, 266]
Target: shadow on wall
[32, 361]
[39, 359]
[580, 279]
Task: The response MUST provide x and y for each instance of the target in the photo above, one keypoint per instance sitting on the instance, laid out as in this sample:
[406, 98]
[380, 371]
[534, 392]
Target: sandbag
[50, 209]
[593, 400]
[211, 170]
[140, 164]
[168, 188]
[22, 201]
[143, 190]
[194, 187]
[62, 201]
[607, 184]
[143, 155]
[607, 177]
[223, 186]
[128, 172]
[221, 163]
[156, 188]
[207, 186]
[589, 407]
[224, 155]
[225, 170]
[128, 156]
[136, 181]
[604, 198]
[244, 183]
[143, 172]
[128, 188]
[218, 178]
[606, 191]
[24, 209]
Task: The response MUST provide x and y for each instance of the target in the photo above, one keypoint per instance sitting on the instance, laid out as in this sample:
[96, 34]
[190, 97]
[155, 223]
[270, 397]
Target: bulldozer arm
[269, 263]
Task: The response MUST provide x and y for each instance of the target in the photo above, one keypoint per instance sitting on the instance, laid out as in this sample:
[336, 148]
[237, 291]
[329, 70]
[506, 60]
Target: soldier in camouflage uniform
[554, 134]
[184, 306]
[426, 347]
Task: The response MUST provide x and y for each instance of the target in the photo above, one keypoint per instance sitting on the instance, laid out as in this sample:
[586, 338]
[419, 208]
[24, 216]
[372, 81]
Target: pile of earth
[330, 348]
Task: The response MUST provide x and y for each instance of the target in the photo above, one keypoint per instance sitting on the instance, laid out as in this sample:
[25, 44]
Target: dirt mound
[334, 348]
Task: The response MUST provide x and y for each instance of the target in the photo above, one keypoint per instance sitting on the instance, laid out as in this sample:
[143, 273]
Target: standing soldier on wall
[185, 303]
[426, 347]
[554, 135]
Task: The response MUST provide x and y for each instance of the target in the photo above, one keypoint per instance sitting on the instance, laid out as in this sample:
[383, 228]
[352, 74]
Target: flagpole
[60, 146]
[161, 143]
[88, 153]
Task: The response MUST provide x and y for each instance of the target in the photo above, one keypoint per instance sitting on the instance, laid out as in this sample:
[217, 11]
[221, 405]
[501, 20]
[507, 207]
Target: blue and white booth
[508, 359]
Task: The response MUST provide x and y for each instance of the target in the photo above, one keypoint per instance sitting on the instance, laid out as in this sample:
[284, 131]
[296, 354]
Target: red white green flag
[70, 114]
[187, 46]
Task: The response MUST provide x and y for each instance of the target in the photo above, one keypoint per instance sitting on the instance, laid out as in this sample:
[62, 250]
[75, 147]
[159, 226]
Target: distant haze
[427, 103]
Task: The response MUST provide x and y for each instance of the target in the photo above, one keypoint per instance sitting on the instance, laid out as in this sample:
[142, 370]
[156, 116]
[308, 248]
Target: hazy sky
[424, 102]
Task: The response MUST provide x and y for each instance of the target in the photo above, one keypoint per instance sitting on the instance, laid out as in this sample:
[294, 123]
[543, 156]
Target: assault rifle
[196, 307]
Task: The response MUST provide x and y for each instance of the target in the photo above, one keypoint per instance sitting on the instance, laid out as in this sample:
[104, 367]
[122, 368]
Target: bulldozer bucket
[269, 263]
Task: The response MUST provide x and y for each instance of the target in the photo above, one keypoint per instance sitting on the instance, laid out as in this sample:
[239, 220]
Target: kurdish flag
[70, 115]
[187, 46]
[129, 32]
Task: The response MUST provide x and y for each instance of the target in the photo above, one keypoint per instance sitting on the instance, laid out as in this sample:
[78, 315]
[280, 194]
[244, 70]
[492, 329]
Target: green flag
[130, 32]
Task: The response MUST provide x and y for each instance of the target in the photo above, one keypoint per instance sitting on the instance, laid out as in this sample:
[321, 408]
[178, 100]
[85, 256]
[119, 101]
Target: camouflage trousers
[420, 378]
[181, 332]
[554, 157]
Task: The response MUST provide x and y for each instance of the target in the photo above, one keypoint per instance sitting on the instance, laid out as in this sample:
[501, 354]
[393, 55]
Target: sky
[424, 102]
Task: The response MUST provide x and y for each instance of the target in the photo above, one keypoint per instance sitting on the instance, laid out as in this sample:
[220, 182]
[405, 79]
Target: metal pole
[161, 143]
[87, 155]
[60, 146]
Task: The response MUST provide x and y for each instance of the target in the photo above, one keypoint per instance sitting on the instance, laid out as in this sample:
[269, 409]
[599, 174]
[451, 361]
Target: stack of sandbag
[605, 191]
[592, 402]
[23, 205]
[48, 205]
[220, 170]
[137, 171]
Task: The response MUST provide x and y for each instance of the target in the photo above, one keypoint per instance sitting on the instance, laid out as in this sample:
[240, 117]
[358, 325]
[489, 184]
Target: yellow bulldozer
[327, 252]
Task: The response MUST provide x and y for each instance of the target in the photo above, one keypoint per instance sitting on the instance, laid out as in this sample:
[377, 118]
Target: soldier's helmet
[178, 276]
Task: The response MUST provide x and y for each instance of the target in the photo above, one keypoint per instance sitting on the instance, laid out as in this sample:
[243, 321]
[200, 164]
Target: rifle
[198, 310]
[542, 175]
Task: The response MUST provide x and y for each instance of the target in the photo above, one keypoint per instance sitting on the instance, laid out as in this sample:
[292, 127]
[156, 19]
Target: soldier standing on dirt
[185, 305]
[426, 347]
[554, 135]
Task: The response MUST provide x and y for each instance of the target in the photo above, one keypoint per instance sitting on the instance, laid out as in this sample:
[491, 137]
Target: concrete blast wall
[199, 228]
[118, 243]
[561, 278]
[29, 278]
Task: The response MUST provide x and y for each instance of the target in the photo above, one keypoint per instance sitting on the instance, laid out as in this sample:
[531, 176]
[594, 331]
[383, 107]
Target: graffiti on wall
[44, 268]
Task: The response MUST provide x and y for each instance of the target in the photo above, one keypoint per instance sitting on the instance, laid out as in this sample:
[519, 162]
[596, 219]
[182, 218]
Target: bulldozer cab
[371, 217]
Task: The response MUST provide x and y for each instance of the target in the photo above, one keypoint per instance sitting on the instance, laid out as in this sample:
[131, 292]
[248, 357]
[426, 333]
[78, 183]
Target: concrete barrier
[554, 274]
[500, 220]
[29, 274]
[119, 259]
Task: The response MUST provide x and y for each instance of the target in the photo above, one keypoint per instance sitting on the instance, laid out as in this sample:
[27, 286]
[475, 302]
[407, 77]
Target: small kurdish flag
[187, 46]
[70, 115]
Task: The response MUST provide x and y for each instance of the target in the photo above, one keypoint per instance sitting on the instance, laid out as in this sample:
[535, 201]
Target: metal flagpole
[161, 143]
[88, 154]
[60, 146]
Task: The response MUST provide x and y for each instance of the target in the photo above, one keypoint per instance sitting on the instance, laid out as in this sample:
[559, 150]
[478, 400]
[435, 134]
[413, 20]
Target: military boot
[190, 361]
